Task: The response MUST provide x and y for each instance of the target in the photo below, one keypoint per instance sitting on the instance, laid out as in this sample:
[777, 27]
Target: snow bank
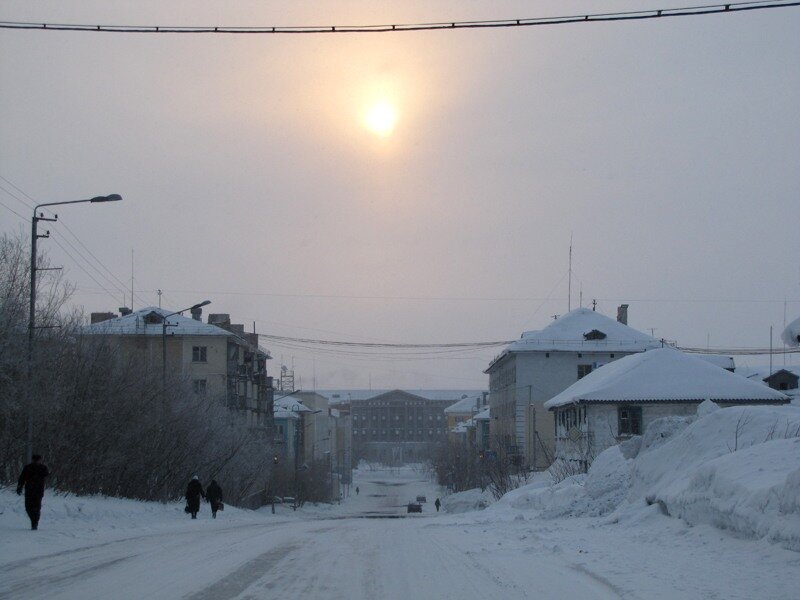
[754, 492]
[717, 434]
[733, 468]
[467, 501]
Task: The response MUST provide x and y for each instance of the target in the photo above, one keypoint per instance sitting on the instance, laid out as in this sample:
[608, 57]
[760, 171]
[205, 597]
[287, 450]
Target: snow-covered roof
[791, 335]
[337, 396]
[288, 407]
[663, 375]
[465, 406]
[461, 428]
[722, 361]
[583, 330]
[134, 324]
[483, 415]
[760, 373]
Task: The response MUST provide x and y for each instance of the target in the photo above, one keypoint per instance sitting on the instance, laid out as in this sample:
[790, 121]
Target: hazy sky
[668, 149]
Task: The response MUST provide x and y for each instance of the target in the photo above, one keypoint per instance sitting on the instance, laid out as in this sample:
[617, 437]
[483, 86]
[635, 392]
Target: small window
[199, 387]
[584, 370]
[630, 420]
[199, 353]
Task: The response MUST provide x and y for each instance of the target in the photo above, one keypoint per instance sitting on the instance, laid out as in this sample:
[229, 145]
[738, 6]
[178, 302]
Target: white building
[621, 399]
[540, 365]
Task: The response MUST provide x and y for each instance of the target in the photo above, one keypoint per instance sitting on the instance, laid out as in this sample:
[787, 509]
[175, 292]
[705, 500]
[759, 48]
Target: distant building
[397, 426]
[290, 415]
[540, 365]
[721, 360]
[218, 359]
[621, 399]
[783, 379]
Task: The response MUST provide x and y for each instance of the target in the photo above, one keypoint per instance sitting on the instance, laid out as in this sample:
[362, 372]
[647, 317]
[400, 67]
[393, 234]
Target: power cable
[8, 208]
[110, 277]
[80, 266]
[400, 27]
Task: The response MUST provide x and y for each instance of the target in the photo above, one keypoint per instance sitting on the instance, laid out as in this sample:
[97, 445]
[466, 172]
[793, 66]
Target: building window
[630, 420]
[611, 355]
[568, 418]
[199, 353]
[199, 387]
[584, 370]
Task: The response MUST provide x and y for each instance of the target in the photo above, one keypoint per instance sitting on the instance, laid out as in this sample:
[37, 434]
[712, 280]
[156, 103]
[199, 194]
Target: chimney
[99, 317]
[219, 319]
[197, 314]
[622, 314]
[124, 311]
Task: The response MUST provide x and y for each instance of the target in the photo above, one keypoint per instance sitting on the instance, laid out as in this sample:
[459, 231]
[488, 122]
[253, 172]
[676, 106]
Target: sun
[381, 119]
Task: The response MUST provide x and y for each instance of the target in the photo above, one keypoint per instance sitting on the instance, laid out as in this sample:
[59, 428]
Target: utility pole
[569, 284]
[32, 326]
[32, 308]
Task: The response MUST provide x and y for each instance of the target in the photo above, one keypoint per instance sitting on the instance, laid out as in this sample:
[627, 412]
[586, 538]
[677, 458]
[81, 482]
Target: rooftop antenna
[770, 350]
[159, 298]
[131, 278]
[569, 284]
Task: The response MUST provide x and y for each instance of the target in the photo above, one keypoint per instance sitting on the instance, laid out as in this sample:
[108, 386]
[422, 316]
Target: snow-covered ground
[592, 536]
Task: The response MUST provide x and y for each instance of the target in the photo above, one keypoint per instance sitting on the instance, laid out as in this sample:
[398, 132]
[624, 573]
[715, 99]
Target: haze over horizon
[418, 187]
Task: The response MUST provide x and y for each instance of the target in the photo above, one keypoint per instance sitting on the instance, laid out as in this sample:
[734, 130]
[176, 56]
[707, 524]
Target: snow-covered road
[322, 558]
[368, 547]
[339, 552]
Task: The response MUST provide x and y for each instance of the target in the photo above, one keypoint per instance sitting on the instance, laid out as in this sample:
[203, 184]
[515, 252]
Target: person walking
[193, 492]
[437, 504]
[32, 479]
[357, 490]
[214, 497]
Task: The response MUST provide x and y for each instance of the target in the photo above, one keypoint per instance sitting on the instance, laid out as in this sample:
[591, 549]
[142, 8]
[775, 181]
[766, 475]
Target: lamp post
[32, 309]
[164, 402]
[164, 326]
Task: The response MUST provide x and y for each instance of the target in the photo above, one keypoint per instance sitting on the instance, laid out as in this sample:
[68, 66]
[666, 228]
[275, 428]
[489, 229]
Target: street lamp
[32, 315]
[164, 326]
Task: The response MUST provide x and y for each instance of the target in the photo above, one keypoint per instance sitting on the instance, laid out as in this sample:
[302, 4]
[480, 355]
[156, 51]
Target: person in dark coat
[438, 504]
[214, 497]
[32, 479]
[193, 493]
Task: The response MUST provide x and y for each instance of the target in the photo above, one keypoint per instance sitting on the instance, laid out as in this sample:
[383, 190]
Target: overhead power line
[305, 342]
[687, 11]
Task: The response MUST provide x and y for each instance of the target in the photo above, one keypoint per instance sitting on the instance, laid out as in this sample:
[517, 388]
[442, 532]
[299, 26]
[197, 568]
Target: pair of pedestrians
[212, 495]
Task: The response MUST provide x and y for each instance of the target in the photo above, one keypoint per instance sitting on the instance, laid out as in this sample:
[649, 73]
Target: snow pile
[754, 492]
[469, 500]
[92, 512]
[791, 335]
[734, 468]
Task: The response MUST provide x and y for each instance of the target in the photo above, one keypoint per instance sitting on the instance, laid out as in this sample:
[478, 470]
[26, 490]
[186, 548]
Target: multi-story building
[544, 363]
[217, 359]
[397, 426]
